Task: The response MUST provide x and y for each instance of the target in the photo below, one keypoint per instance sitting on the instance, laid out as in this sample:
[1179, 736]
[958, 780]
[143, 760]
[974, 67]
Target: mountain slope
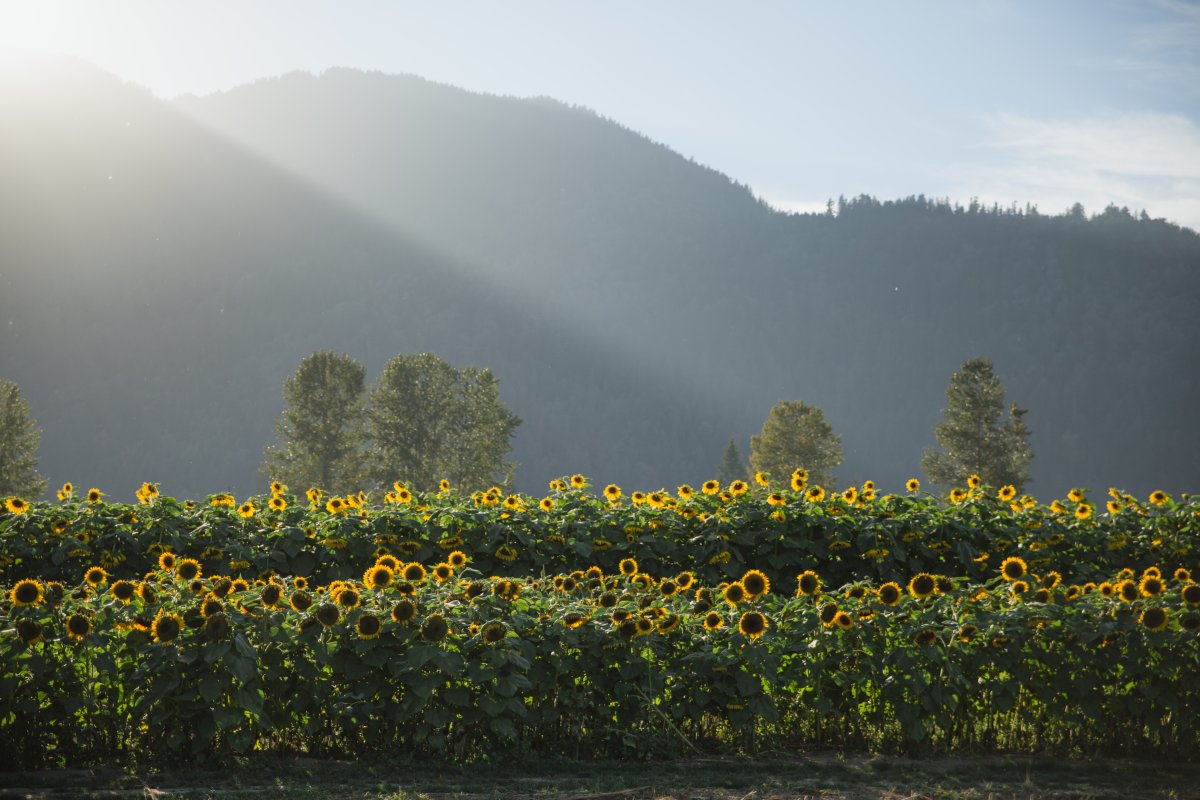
[638, 308]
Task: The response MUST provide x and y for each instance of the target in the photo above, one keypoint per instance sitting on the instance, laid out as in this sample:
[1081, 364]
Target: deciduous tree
[321, 429]
[429, 421]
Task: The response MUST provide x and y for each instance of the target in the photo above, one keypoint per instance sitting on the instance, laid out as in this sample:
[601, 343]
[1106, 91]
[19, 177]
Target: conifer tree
[975, 434]
[321, 429]
[733, 467]
[796, 435]
[19, 440]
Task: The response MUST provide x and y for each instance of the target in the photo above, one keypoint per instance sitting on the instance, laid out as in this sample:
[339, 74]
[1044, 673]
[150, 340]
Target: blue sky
[1049, 103]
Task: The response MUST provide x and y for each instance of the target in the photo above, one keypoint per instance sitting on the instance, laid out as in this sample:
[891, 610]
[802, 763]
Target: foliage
[974, 435]
[796, 435]
[429, 421]
[320, 430]
[733, 467]
[604, 662]
[19, 439]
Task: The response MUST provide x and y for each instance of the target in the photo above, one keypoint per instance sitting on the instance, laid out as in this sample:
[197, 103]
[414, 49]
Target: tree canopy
[321, 429]
[429, 421]
[975, 434]
[19, 440]
[796, 435]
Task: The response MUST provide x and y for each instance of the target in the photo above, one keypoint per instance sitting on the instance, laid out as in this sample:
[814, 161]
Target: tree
[975, 435]
[796, 435]
[19, 440]
[321, 429]
[429, 421]
[733, 468]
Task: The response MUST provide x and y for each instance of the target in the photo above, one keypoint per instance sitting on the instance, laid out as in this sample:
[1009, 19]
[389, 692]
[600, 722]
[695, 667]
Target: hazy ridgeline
[165, 265]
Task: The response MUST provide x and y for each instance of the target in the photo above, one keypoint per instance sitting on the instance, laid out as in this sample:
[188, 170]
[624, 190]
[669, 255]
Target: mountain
[168, 263]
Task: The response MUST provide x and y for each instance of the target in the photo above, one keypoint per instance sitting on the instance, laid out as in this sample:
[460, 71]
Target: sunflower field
[597, 625]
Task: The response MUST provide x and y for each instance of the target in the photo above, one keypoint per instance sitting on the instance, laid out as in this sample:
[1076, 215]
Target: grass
[828, 777]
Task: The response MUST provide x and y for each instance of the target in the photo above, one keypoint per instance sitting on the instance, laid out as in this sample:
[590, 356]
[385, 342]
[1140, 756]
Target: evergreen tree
[733, 467]
[796, 435]
[19, 441]
[320, 430]
[429, 421]
[975, 435]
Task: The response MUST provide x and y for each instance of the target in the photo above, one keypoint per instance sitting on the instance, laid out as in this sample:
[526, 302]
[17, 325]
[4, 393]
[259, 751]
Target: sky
[1007, 101]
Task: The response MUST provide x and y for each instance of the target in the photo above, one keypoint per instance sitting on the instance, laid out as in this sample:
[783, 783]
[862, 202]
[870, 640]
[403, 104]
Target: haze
[1009, 102]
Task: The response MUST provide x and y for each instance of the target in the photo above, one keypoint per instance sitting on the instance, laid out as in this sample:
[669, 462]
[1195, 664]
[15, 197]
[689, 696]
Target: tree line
[425, 421]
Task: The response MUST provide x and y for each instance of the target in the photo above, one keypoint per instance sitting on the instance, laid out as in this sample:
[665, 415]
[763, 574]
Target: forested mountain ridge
[638, 308]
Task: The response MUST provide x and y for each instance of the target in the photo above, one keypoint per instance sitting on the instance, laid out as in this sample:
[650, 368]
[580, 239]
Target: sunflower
[1018, 589]
[95, 576]
[78, 627]
[638, 498]
[1084, 511]
[546, 504]
[668, 587]
[16, 505]
[27, 592]
[1151, 586]
[912, 485]
[1013, 568]
[656, 499]
[967, 632]
[1191, 594]
[347, 598]
[828, 614]
[713, 620]
[734, 593]
[574, 619]
[756, 584]
[924, 638]
[808, 583]
[612, 493]
[270, 595]
[669, 623]
[850, 495]
[493, 632]
[890, 593]
[277, 503]
[1159, 498]
[957, 496]
[843, 620]
[628, 567]
[1043, 595]
[1127, 590]
[94, 495]
[506, 552]
[1076, 495]
[1154, 618]
[413, 571]
[1007, 493]
[368, 626]
[738, 488]
[752, 624]
[123, 590]
[434, 628]
[710, 487]
[1182, 575]
[1051, 580]
[246, 509]
[328, 614]
[378, 577]
[443, 572]
[974, 481]
[300, 601]
[1106, 589]
[29, 631]
[922, 585]
[404, 611]
[166, 627]
[685, 492]
[238, 585]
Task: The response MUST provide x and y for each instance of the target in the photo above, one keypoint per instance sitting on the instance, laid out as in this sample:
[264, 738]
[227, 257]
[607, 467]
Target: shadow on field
[828, 777]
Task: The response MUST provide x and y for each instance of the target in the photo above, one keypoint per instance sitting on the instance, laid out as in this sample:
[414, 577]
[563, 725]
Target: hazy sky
[1095, 101]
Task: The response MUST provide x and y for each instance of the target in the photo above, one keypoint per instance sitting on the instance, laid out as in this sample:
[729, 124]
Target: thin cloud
[1142, 161]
